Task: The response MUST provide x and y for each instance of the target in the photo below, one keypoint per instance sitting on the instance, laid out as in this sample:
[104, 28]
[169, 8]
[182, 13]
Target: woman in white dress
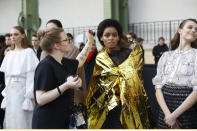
[19, 66]
[176, 80]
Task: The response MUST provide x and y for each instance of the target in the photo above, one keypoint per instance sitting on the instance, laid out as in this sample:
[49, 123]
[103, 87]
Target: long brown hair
[24, 43]
[49, 37]
[176, 39]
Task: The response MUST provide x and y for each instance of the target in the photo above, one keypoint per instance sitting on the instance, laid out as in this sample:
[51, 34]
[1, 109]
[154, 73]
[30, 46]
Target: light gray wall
[72, 13]
[161, 10]
[9, 10]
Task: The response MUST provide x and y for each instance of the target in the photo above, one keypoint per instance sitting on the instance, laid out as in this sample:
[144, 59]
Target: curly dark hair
[176, 39]
[109, 23]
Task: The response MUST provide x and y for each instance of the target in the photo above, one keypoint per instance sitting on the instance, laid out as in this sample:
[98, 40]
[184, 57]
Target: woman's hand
[170, 120]
[90, 36]
[74, 82]
[176, 125]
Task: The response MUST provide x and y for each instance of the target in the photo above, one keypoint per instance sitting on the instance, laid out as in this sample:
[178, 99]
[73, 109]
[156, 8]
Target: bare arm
[44, 97]
[161, 101]
[86, 50]
[188, 103]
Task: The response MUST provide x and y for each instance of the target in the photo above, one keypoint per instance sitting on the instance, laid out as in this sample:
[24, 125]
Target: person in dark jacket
[2, 81]
[159, 49]
[36, 45]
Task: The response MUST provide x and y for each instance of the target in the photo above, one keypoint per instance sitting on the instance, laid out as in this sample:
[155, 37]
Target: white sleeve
[157, 80]
[29, 95]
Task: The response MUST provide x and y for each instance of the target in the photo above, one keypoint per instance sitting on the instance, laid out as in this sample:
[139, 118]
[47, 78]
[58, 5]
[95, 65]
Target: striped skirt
[174, 96]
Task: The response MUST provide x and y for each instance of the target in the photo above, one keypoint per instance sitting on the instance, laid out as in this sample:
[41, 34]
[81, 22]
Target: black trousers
[113, 119]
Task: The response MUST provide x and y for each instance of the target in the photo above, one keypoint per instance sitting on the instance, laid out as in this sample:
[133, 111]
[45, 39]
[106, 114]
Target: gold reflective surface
[112, 85]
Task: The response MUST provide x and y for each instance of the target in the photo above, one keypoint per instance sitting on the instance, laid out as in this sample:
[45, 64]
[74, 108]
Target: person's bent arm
[44, 97]
[188, 103]
[86, 50]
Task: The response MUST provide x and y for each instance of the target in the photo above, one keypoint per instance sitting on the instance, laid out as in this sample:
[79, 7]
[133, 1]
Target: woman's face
[16, 36]
[65, 46]
[110, 38]
[189, 31]
[51, 25]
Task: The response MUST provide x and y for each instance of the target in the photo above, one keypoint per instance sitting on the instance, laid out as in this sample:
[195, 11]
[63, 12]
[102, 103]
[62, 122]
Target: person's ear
[56, 46]
[179, 31]
[23, 36]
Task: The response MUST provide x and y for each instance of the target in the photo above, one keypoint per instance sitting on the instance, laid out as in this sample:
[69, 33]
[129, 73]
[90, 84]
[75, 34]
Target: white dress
[19, 67]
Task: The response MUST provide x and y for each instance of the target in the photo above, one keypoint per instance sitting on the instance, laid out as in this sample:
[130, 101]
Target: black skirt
[174, 97]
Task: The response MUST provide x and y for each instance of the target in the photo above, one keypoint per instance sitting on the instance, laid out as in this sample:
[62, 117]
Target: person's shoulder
[101, 53]
[30, 54]
[67, 60]
[166, 45]
[167, 53]
[29, 50]
[45, 64]
[156, 46]
[195, 51]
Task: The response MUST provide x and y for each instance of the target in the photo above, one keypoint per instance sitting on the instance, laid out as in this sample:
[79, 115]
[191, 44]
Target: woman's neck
[18, 47]
[57, 55]
[109, 50]
[184, 45]
[36, 47]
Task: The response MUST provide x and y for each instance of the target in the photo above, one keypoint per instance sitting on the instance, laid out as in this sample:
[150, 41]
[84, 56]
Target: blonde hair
[49, 37]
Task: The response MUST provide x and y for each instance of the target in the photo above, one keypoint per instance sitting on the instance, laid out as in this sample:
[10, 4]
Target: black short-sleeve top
[49, 75]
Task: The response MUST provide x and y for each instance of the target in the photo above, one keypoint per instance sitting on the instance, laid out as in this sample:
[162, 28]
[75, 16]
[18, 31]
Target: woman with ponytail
[55, 78]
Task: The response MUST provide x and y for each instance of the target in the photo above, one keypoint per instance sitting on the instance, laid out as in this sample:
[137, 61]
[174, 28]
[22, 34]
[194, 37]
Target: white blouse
[18, 66]
[177, 68]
